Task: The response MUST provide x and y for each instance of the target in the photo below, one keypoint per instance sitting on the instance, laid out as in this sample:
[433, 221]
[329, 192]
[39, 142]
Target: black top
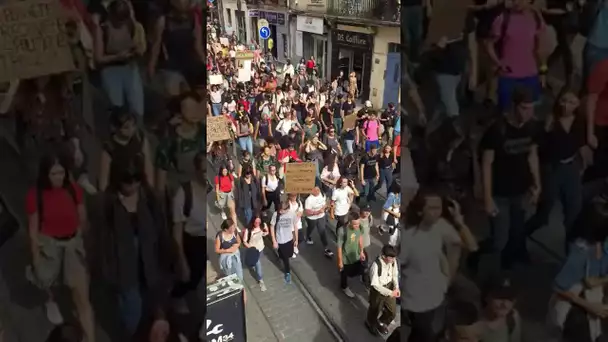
[326, 115]
[385, 162]
[409, 3]
[450, 60]
[336, 107]
[369, 166]
[558, 146]
[511, 174]
[348, 107]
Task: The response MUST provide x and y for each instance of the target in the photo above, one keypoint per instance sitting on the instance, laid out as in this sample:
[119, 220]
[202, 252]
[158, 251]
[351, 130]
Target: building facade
[348, 36]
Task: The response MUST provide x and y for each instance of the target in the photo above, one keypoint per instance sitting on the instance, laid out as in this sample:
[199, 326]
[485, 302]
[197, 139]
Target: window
[285, 47]
[394, 47]
[240, 17]
[229, 17]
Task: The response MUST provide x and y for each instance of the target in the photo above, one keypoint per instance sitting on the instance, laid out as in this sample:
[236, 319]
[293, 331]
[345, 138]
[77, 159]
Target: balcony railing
[383, 10]
[281, 3]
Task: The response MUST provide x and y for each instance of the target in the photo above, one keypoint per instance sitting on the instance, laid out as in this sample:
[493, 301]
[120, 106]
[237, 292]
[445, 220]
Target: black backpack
[40, 201]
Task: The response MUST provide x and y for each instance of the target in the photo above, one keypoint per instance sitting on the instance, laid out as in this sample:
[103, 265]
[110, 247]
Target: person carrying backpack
[500, 320]
[189, 233]
[350, 252]
[513, 47]
[384, 291]
[56, 217]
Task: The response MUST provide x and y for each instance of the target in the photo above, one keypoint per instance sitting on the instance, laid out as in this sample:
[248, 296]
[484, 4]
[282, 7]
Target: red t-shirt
[225, 182]
[310, 64]
[598, 84]
[60, 211]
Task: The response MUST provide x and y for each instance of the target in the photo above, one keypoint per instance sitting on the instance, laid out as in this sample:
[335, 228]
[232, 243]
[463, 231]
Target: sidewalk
[283, 312]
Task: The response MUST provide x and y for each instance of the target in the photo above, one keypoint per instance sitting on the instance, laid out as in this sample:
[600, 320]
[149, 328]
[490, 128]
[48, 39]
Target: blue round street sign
[264, 32]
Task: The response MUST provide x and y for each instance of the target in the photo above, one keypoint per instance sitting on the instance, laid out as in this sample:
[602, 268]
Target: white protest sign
[216, 79]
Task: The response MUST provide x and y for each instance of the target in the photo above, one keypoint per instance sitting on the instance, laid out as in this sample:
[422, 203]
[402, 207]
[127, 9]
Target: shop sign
[310, 24]
[273, 18]
[353, 39]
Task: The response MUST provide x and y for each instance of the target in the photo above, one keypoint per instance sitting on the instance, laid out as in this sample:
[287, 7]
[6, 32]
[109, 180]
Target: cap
[366, 207]
[500, 287]
[368, 103]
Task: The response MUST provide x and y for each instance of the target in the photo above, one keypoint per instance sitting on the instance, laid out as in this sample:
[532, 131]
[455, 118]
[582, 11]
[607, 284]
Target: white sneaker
[296, 250]
[224, 217]
[52, 313]
[262, 286]
[294, 256]
[348, 293]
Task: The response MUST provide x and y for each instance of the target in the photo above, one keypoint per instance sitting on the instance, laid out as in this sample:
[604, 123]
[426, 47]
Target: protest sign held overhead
[217, 129]
[33, 39]
[300, 178]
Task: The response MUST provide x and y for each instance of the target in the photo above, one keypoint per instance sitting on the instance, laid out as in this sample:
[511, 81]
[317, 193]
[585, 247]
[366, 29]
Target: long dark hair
[413, 215]
[557, 108]
[47, 162]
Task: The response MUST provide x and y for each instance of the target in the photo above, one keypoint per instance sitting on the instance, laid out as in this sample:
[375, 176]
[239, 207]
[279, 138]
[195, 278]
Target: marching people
[384, 274]
[350, 252]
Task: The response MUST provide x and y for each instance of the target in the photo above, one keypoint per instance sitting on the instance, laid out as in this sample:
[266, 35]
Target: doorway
[353, 61]
[320, 53]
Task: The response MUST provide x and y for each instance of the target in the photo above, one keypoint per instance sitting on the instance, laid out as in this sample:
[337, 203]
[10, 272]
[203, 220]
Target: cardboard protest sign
[244, 75]
[216, 79]
[244, 55]
[224, 41]
[217, 129]
[300, 178]
[349, 122]
[448, 19]
[33, 39]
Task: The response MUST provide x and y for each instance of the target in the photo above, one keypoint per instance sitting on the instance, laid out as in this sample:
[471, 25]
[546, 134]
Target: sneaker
[52, 313]
[382, 329]
[181, 307]
[371, 329]
[287, 278]
[296, 250]
[262, 286]
[309, 241]
[294, 256]
[328, 253]
[224, 217]
[348, 293]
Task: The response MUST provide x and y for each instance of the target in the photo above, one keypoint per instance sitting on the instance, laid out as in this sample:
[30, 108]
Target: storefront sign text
[353, 39]
[273, 18]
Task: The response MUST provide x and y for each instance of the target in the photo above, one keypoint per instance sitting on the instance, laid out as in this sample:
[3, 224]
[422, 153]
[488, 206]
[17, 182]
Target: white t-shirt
[284, 126]
[271, 183]
[424, 282]
[297, 208]
[285, 227]
[341, 198]
[315, 203]
[256, 239]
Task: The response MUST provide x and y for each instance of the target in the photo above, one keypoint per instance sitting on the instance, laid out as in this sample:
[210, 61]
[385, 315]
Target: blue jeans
[124, 81]
[386, 177]
[349, 146]
[216, 109]
[370, 143]
[130, 306]
[258, 269]
[507, 228]
[506, 85]
[338, 124]
[563, 182]
[591, 56]
[448, 93]
[413, 17]
[368, 190]
[248, 215]
[246, 144]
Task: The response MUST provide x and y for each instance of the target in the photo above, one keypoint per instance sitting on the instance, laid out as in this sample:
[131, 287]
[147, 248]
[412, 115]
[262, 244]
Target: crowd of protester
[149, 221]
